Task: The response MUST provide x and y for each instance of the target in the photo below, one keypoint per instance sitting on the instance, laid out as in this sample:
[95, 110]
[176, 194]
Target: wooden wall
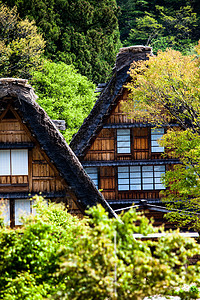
[108, 185]
[44, 178]
[117, 115]
[42, 174]
[105, 146]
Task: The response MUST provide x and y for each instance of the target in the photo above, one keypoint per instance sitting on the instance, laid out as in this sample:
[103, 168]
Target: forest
[60, 43]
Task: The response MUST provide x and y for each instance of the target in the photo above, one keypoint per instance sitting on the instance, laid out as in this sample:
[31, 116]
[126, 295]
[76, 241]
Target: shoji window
[136, 178]
[5, 210]
[123, 178]
[22, 208]
[158, 172]
[93, 173]
[156, 134]
[147, 178]
[123, 141]
[5, 162]
[14, 162]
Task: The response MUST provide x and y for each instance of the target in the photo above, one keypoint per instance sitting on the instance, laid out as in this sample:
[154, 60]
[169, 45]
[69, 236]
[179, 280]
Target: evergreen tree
[160, 24]
[83, 33]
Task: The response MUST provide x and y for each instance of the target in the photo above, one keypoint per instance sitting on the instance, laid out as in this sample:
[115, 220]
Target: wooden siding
[108, 185]
[117, 114]
[44, 178]
[107, 182]
[42, 174]
[103, 148]
[12, 131]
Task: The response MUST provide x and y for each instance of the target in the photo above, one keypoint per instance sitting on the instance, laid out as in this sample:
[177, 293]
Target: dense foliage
[160, 24]
[64, 94]
[83, 33]
[57, 255]
[166, 89]
[21, 45]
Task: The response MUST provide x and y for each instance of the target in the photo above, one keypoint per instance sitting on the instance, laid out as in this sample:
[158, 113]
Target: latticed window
[140, 178]
[22, 207]
[156, 134]
[123, 141]
[93, 173]
[13, 162]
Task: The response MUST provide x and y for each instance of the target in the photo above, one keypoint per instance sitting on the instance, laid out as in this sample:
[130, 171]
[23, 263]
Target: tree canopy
[57, 255]
[21, 45]
[160, 24]
[83, 33]
[167, 87]
[64, 94]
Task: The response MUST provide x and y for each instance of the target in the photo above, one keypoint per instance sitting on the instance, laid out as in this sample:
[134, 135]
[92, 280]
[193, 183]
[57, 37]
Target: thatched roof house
[51, 167]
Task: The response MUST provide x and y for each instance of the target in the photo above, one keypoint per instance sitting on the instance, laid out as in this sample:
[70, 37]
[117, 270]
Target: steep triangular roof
[22, 98]
[102, 108]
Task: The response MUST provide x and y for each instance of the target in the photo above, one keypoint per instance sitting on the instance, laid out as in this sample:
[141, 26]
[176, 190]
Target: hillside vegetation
[64, 46]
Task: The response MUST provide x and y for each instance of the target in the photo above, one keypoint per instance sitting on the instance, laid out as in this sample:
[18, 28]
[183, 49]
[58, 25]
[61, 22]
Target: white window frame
[19, 212]
[13, 162]
[156, 134]
[5, 211]
[93, 174]
[123, 141]
[140, 178]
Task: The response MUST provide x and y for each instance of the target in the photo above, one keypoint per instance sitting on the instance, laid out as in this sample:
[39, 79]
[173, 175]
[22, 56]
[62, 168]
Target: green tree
[131, 10]
[31, 255]
[21, 46]
[64, 94]
[83, 33]
[108, 262]
[146, 30]
[57, 255]
[164, 90]
[165, 28]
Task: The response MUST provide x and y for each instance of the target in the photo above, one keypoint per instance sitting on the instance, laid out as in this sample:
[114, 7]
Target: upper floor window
[93, 173]
[140, 178]
[123, 141]
[13, 162]
[156, 134]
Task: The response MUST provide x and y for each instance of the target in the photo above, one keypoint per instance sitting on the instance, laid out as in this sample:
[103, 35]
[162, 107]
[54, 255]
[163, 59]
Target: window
[93, 173]
[123, 141]
[5, 211]
[140, 178]
[14, 162]
[22, 208]
[156, 134]
[129, 178]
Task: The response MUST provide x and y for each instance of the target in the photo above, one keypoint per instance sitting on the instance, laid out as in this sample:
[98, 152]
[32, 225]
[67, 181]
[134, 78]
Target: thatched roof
[102, 108]
[51, 141]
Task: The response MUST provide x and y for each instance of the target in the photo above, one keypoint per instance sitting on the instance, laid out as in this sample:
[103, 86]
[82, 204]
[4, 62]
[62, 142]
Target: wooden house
[35, 158]
[122, 156]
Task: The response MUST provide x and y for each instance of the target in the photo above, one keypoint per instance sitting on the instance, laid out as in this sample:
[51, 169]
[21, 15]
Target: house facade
[35, 158]
[123, 156]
